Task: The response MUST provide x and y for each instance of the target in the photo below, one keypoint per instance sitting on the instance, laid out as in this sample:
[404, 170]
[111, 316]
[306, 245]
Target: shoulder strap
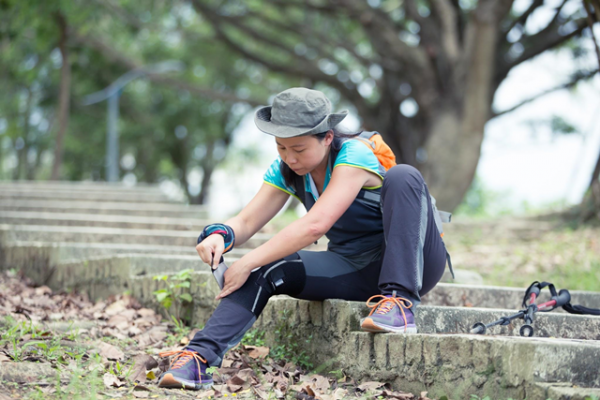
[305, 197]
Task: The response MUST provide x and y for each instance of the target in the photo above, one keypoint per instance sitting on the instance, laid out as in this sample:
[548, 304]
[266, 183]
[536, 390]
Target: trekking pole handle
[535, 289]
[564, 297]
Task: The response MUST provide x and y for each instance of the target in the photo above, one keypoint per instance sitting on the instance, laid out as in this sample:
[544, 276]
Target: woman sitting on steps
[383, 240]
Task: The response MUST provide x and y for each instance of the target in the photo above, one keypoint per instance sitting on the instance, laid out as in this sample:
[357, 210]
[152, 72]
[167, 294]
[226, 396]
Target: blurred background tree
[423, 73]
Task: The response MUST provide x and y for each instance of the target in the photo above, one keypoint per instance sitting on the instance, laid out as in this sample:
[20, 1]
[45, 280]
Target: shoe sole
[170, 382]
[369, 325]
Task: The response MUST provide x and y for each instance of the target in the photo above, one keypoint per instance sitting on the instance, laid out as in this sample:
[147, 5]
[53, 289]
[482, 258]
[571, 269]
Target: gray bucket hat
[298, 112]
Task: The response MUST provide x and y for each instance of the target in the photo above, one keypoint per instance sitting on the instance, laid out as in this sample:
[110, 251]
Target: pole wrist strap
[220, 229]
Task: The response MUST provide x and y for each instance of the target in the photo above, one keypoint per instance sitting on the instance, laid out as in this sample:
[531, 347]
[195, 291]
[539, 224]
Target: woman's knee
[286, 276]
[403, 175]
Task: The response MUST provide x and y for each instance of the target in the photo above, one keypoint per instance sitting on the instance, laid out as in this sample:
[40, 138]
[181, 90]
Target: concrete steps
[110, 208]
[42, 233]
[106, 245]
[83, 195]
[457, 295]
[100, 220]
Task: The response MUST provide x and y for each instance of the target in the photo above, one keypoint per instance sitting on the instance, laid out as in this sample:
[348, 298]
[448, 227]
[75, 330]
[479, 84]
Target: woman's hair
[338, 138]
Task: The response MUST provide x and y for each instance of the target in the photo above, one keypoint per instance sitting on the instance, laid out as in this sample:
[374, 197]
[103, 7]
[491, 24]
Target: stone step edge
[517, 291]
[442, 288]
[515, 364]
[111, 231]
[74, 204]
[26, 215]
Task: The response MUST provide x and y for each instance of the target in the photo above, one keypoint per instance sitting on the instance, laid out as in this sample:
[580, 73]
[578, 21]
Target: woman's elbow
[317, 229]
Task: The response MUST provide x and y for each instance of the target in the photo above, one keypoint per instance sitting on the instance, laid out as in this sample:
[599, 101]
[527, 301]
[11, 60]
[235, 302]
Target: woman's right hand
[211, 249]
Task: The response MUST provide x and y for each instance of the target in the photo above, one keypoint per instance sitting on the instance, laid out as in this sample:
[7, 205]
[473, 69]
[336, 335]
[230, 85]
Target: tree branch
[590, 22]
[316, 38]
[547, 39]
[304, 70]
[448, 17]
[537, 44]
[522, 19]
[576, 79]
[119, 12]
[130, 63]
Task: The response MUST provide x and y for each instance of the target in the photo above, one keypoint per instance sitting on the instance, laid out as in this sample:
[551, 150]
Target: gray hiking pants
[411, 262]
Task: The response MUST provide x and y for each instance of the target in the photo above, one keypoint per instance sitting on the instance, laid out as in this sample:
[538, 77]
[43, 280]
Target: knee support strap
[285, 276]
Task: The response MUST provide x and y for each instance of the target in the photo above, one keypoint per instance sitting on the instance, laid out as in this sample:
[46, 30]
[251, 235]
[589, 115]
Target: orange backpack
[382, 151]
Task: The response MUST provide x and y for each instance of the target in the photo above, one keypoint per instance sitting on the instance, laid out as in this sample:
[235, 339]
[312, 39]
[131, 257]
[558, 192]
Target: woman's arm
[265, 204]
[343, 188]
[261, 209]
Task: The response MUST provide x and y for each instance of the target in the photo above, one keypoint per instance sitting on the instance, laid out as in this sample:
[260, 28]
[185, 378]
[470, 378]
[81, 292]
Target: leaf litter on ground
[117, 338]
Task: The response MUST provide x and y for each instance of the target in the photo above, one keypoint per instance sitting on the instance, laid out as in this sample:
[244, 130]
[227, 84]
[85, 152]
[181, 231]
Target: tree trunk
[204, 185]
[64, 97]
[590, 204]
[21, 169]
[462, 56]
[453, 147]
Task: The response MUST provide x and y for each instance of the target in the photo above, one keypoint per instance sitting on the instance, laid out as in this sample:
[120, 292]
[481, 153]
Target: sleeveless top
[358, 233]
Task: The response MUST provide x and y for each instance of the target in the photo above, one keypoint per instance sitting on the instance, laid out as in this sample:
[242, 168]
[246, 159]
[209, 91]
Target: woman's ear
[329, 137]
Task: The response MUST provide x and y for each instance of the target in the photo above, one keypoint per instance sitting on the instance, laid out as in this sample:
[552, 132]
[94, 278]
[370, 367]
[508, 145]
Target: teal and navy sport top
[360, 228]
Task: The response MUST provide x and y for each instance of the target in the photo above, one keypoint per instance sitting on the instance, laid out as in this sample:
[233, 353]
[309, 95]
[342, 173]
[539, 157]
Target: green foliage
[176, 293]
[289, 343]
[167, 130]
[254, 337]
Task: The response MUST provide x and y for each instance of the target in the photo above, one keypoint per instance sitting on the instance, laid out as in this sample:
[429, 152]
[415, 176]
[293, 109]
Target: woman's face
[303, 154]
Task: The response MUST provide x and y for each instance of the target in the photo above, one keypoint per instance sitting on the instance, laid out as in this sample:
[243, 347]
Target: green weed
[176, 293]
[288, 343]
[254, 337]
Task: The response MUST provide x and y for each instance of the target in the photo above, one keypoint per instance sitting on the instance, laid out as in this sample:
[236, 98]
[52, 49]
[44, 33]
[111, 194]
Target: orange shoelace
[386, 304]
[182, 357]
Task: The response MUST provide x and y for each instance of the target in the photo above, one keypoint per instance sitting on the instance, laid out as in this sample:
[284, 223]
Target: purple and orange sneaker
[390, 314]
[187, 371]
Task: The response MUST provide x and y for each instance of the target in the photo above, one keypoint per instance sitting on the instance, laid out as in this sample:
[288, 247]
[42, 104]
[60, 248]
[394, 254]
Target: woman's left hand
[234, 278]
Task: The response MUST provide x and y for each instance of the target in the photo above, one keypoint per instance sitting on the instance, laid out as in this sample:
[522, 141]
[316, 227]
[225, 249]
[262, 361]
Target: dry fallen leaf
[233, 388]
[296, 388]
[339, 393]
[370, 386]
[118, 321]
[141, 395]
[256, 351]
[423, 396]
[309, 390]
[260, 393]
[109, 351]
[142, 363]
[111, 381]
[320, 383]
[399, 395]
[116, 307]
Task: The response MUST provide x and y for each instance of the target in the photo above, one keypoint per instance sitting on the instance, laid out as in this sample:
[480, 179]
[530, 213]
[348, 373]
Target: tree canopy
[423, 73]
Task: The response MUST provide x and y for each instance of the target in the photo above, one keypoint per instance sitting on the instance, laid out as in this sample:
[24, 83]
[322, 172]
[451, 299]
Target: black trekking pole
[527, 314]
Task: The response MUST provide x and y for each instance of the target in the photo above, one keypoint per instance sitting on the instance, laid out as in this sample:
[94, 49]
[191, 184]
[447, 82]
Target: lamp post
[111, 94]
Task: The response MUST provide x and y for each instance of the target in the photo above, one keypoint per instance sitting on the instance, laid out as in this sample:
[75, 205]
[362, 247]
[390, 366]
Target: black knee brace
[285, 276]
